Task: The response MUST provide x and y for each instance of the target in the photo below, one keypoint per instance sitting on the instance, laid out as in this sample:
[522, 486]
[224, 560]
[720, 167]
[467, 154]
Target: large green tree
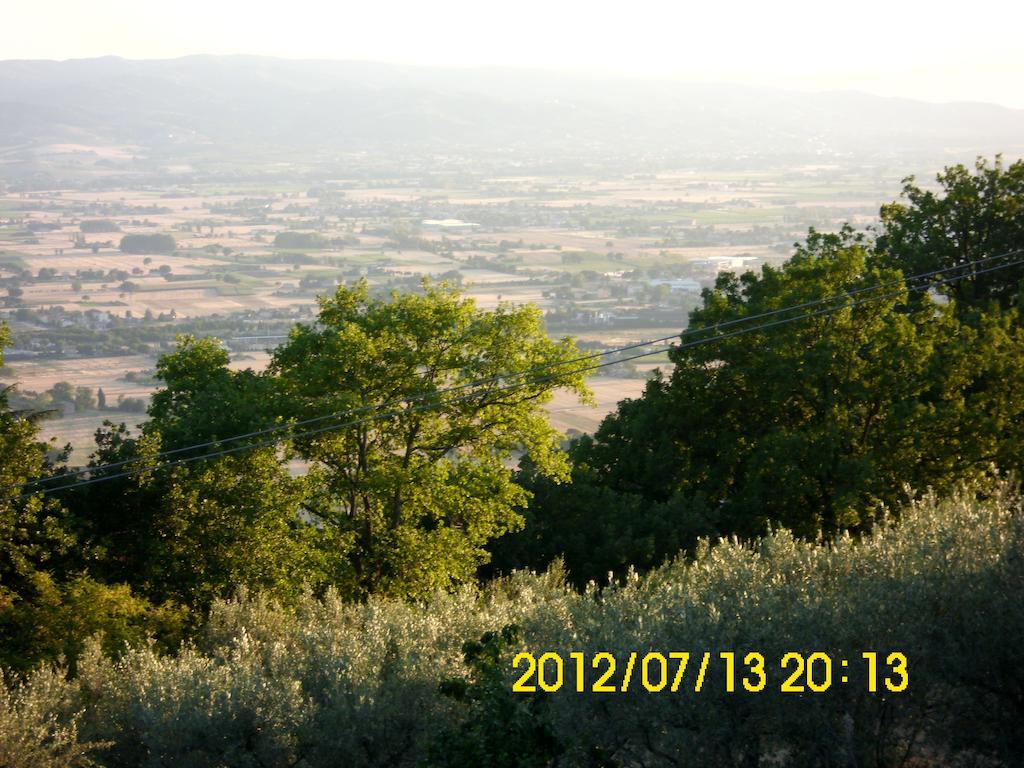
[32, 526]
[816, 425]
[403, 499]
[202, 399]
[231, 523]
[48, 602]
[970, 216]
[436, 386]
[186, 527]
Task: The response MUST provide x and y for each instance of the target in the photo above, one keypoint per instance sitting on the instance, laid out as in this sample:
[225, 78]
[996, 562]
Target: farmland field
[610, 259]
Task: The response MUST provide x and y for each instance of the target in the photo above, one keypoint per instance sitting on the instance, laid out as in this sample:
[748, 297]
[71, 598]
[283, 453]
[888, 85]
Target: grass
[365, 258]
[12, 260]
[227, 289]
[189, 285]
[739, 216]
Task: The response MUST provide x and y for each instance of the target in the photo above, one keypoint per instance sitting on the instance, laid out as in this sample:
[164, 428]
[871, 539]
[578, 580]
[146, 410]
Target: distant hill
[198, 102]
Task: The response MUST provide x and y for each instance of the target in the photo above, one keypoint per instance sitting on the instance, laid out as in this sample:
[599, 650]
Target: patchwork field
[567, 414]
[249, 258]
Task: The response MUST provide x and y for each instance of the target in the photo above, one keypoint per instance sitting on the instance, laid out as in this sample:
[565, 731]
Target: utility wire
[519, 374]
[507, 388]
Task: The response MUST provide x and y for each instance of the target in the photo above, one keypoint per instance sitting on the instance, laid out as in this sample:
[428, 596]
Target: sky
[936, 51]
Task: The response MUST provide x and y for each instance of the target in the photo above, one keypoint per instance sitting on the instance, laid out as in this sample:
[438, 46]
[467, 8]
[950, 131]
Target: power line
[519, 374]
[508, 388]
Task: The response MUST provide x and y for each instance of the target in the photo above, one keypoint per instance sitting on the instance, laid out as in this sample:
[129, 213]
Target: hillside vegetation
[823, 470]
[386, 682]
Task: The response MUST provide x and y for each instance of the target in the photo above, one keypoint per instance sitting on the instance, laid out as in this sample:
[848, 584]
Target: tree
[503, 729]
[48, 605]
[233, 523]
[976, 216]
[423, 485]
[207, 528]
[32, 527]
[63, 391]
[594, 529]
[187, 534]
[816, 425]
[202, 399]
[118, 517]
[84, 399]
[99, 225]
[156, 243]
[101, 399]
[300, 240]
[131, 404]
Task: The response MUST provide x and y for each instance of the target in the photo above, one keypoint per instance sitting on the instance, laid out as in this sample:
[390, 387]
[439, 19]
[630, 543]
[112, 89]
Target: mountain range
[202, 102]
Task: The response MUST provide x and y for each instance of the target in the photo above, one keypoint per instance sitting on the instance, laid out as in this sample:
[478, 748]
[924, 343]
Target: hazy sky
[939, 51]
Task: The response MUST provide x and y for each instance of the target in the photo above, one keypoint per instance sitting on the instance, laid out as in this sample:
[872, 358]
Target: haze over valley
[609, 201]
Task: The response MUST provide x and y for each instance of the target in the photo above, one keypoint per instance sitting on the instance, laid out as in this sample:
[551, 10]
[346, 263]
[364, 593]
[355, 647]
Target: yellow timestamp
[682, 671]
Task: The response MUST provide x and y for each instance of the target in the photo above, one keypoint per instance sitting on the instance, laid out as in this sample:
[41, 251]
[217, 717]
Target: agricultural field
[609, 260]
[569, 415]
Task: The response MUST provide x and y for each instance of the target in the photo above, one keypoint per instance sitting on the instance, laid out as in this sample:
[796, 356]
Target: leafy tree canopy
[425, 484]
[816, 425]
[971, 216]
[202, 399]
[32, 530]
[404, 501]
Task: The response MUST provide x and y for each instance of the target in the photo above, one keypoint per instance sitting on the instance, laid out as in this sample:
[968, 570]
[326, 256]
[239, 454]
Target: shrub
[37, 729]
[59, 618]
[360, 684]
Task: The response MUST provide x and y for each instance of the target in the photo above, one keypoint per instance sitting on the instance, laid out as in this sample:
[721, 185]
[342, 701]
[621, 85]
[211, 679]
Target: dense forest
[828, 466]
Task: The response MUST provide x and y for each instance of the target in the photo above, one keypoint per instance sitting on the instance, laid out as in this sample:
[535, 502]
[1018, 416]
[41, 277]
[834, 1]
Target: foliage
[61, 616]
[300, 240]
[504, 729]
[63, 392]
[401, 504]
[814, 424]
[156, 243]
[977, 215]
[234, 522]
[333, 682]
[48, 605]
[98, 225]
[131, 404]
[597, 532]
[191, 532]
[198, 530]
[202, 399]
[37, 730]
[420, 482]
[33, 530]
